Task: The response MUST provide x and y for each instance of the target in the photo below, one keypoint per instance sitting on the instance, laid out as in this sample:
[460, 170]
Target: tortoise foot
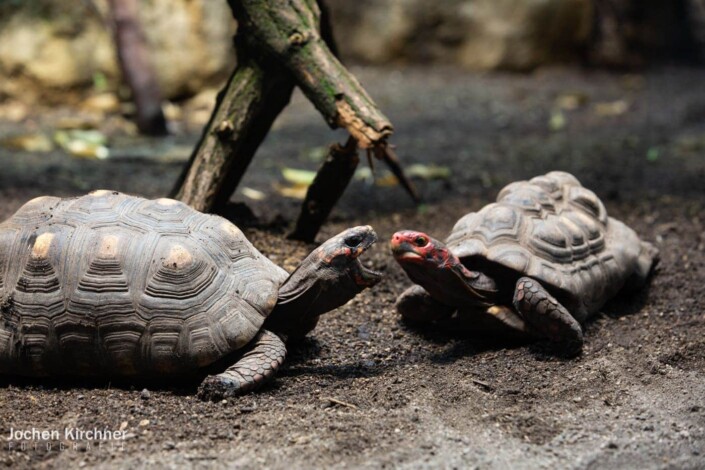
[417, 307]
[547, 316]
[256, 367]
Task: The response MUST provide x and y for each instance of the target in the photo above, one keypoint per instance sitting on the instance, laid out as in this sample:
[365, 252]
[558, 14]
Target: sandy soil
[365, 390]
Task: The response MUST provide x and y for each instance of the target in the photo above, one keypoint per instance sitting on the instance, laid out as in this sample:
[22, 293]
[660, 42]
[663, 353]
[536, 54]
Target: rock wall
[48, 44]
[45, 44]
[480, 34]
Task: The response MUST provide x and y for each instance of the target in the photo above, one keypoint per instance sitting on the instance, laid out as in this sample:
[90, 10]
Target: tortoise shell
[110, 282]
[556, 231]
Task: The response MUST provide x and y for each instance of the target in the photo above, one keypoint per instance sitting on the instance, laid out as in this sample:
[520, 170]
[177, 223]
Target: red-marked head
[429, 263]
[409, 246]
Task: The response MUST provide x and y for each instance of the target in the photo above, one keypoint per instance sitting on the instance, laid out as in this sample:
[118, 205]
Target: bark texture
[280, 45]
[332, 178]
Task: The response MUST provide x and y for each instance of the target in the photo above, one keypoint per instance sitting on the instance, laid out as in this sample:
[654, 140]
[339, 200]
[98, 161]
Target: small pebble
[145, 395]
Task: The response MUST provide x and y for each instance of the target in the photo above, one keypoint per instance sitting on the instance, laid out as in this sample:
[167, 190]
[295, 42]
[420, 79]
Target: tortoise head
[340, 256]
[330, 276]
[429, 263]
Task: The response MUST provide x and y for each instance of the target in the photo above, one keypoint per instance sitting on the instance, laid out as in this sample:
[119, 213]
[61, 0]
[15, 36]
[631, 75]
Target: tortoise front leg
[547, 316]
[255, 368]
[417, 307]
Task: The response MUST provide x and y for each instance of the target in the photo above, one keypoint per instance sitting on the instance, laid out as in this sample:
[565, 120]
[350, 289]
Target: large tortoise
[114, 285]
[536, 263]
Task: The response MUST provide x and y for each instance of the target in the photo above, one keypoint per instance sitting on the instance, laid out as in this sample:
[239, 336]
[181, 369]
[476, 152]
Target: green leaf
[300, 177]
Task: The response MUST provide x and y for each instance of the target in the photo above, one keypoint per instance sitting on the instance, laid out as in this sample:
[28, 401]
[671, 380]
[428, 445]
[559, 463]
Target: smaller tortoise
[118, 286]
[546, 248]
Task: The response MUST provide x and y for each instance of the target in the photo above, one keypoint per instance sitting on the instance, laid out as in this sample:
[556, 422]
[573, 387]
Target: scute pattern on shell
[556, 231]
[110, 284]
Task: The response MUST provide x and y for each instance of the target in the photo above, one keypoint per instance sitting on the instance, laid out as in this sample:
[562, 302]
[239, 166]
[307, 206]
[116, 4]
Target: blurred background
[47, 46]
[479, 84]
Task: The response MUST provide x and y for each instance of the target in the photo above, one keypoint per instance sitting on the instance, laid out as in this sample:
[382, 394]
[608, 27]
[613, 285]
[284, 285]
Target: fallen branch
[331, 180]
[282, 44]
[335, 401]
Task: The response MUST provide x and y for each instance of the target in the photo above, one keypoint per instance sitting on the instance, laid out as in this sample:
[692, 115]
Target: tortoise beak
[403, 250]
[363, 276]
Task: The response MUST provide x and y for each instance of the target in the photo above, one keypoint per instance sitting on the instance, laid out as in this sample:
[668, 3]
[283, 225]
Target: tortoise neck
[451, 283]
[312, 290]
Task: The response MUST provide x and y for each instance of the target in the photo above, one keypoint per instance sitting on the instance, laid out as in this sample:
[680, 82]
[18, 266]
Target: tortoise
[114, 285]
[535, 264]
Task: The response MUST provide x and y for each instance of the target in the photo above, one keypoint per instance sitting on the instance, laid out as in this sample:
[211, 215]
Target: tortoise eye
[420, 241]
[353, 241]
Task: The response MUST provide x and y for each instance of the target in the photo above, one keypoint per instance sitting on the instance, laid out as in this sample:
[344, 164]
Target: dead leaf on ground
[28, 143]
[316, 154]
[296, 191]
[387, 179]
[557, 120]
[428, 172]
[572, 100]
[298, 177]
[691, 145]
[83, 143]
[172, 111]
[611, 108]
[102, 102]
[71, 122]
[364, 173]
[14, 111]
[253, 194]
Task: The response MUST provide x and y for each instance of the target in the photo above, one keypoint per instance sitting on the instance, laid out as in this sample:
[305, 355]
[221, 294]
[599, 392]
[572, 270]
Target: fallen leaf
[14, 111]
[612, 108]
[386, 180]
[102, 102]
[652, 154]
[298, 177]
[297, 191]
[557, 121]
[253, 194]
[100, 82]
[571, 101]
[364, 173]
[28, 143]
[70, 122]
[83, 143]
[428, 172]
[172, 112]
[316, 154]
[144, 422]
[692, 144]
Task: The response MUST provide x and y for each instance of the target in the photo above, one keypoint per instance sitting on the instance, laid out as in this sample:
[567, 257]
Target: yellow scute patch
[230, 228]
[108, 246]
[178, 258]
[42, 245]
[165, 201]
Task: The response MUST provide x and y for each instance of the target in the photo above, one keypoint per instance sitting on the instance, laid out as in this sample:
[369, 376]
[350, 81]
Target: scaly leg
[418, 307]
[547, 316]
[255, 368]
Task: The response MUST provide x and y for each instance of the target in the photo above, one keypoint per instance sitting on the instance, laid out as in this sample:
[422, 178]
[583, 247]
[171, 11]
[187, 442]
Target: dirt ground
[367, 391]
